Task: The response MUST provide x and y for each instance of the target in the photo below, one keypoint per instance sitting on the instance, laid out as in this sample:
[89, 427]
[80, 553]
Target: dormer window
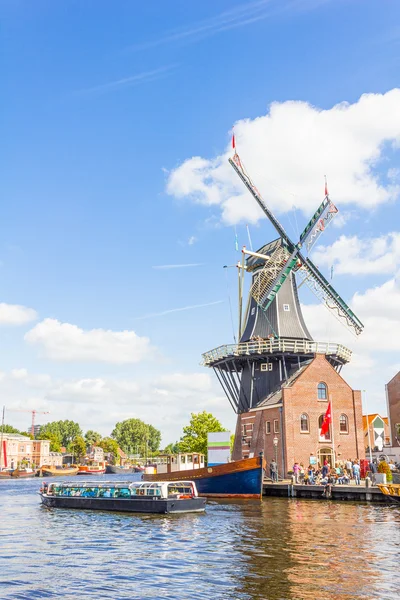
[286, 307]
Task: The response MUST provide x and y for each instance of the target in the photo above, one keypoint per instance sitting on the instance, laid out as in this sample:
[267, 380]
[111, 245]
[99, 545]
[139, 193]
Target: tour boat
[391, 490]
[51, 471]
[94, 467]
[239, 479]
[158, 497]
[119, 470]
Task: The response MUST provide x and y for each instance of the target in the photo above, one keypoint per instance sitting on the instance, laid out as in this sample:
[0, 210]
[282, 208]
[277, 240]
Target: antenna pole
[241, 278]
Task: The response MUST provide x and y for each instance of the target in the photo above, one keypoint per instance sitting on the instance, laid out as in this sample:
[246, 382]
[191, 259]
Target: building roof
[16, 436]
[276, 397]
[371, 418]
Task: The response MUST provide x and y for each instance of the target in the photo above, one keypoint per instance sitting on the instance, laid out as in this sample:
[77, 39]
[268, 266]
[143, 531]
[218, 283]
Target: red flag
[326, 187]
[233, 141]
[326, 422]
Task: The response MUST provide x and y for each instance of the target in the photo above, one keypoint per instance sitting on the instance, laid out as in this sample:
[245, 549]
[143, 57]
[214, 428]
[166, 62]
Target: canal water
[275, 549]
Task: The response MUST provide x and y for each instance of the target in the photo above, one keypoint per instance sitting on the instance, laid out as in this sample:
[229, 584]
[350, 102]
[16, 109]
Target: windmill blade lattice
[285, 259]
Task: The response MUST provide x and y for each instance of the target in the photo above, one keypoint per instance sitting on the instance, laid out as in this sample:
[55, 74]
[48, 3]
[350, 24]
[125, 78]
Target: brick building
[292, 417]
[393, 406]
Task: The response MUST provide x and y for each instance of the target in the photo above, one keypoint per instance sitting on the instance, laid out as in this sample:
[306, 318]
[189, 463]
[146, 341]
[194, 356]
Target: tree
[194, 437]
[171, 448]
[66, 431]
[55, 443]
[110, 446]
[11, 429]
[92, 437]
[78, 447]
[135, 436]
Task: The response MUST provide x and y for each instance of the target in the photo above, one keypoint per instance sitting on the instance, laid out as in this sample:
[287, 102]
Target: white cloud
[67, 342]
[355, 256]
[289, 150]
[192, 240]
[99, 402]
[15, 314]
[19, 373]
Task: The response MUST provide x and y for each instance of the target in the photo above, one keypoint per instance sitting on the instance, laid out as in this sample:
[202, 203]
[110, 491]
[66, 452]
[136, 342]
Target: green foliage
[92, 437]
[232, 442]
[135, 436]
[78, 447]
[171, 448]
[55, 443]
[65, 431]
[11, 429]
[110, 446]
[194, 437]
[383, 467]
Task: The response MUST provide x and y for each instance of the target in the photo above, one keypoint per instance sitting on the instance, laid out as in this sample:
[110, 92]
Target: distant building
[393, 406]
[36, 430]
[376, 432]
[17, 448]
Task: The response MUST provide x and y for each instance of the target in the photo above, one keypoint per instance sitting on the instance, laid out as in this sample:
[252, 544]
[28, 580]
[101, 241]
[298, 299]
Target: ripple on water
[277, 549]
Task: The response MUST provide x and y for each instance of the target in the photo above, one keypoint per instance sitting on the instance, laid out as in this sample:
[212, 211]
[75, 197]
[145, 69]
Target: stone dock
[354, 493]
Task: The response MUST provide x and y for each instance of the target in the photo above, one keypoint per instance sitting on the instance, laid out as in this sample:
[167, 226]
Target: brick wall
[302, 397]
[393, 396]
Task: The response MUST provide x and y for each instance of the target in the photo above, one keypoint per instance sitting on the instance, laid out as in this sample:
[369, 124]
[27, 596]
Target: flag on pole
[233, 141]
[326, 422]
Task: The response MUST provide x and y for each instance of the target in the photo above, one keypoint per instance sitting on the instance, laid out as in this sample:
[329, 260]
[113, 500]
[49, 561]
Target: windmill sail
[288, 258]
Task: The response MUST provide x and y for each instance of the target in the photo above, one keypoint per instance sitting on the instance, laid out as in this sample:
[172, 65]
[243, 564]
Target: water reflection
[277, 549]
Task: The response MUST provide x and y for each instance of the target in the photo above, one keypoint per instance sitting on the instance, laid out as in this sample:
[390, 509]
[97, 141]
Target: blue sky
[104, 107]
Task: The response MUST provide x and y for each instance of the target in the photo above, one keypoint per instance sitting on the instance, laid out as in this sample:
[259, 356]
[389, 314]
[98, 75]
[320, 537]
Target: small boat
[51, 471]
[5, 474]
[23, 473]
[239, 479]
[116, 470]
[161, 497]
[391, 491]
[94, 467]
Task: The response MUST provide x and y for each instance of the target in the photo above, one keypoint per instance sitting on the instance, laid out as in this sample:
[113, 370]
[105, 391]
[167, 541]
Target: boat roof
[119, 484]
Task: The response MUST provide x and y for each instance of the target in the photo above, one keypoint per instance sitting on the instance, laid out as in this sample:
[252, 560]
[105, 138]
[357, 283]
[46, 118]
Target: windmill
[274, 343]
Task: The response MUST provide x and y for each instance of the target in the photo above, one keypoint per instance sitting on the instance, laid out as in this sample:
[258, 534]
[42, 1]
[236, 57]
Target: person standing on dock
[325, 469]
[296, 471]
[356, 472]
[373, 470]
[273, 471]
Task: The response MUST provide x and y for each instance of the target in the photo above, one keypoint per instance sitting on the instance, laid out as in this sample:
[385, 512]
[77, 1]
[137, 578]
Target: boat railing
[271, 346]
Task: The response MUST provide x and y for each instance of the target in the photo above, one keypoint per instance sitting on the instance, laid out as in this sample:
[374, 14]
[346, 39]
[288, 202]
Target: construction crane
[34, 413]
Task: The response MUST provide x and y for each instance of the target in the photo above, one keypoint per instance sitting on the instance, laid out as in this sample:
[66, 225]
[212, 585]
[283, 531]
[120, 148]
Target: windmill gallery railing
[272, 346]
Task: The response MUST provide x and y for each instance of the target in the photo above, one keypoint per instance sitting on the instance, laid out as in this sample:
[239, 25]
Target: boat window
[190, 458]
[123, 493]
[183, 459]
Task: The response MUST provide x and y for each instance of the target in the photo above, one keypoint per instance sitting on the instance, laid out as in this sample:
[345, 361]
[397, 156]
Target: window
[343, 424]
[268, 426]
[276, 426]
[253, 310]
[327, 435]
[286, 307]
[304, 423]
[266, 366]
[322, 391]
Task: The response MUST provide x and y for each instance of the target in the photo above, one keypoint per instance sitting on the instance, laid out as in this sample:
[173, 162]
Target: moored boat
[119, 470]
[51, 471]
[239, 479]
[5, 474]
[93, 467]
[159, 497]
[391, 491]
[23, 473]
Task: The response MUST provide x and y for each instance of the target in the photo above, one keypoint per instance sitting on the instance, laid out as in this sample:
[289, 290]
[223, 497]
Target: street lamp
[275, 442]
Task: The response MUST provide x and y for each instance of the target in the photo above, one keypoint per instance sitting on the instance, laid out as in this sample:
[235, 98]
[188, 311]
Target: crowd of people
[344, 472]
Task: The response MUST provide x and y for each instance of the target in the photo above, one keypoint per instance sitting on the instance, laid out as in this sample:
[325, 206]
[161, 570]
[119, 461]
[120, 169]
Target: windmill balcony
[276, 346]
